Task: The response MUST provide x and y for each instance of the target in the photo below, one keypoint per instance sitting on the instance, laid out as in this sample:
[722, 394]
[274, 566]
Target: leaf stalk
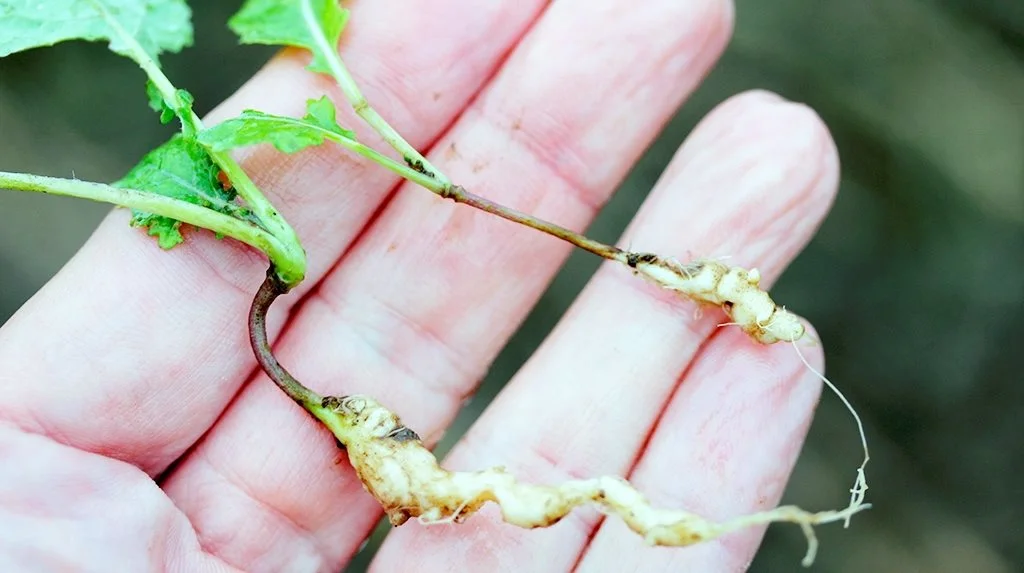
[278, 253]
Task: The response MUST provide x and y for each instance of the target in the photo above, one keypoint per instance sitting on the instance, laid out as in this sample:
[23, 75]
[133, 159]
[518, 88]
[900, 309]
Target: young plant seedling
[193, 180]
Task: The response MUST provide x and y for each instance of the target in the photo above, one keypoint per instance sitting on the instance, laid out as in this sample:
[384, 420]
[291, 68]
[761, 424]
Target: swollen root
[406, 479]
[738, 292]
[735, 290]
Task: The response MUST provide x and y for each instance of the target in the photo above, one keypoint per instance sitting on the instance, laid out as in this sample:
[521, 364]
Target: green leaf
[180, 169]
[288, 134]
[159, 104]
[292, 23]
[157, 25]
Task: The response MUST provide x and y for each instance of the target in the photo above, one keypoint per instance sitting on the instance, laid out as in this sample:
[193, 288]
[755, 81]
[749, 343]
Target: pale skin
[144, 436]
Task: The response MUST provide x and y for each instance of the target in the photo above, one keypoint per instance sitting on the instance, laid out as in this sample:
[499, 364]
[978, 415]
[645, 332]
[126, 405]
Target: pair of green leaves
[183, 168]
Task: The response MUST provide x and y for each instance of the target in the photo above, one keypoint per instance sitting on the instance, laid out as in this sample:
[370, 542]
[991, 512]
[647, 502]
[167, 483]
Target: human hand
[139, 435]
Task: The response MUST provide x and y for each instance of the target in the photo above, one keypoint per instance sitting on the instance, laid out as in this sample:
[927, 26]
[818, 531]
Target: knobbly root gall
[405, 477]
[735, 290]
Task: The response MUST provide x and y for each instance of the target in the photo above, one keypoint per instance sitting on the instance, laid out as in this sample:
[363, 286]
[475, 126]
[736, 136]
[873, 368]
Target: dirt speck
[403, 434]
[451, 153]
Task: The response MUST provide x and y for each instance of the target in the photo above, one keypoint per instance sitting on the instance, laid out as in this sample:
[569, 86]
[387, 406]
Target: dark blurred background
[915, 282]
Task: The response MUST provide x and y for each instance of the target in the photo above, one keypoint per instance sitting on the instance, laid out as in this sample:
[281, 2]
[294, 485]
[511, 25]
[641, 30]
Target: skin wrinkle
[461, 379]
[105, 497]
[404, 85]
[113, 408]
[715, 24]
[787, 395]
[790, 218]
[711, 429]
[126, 448]
[432, 389]
[301, 533]
[753, 163]
[689, 329]
[240, 284]
[560, 145]
[800, 224]
[589, 197]
[320, 447]
[452, 361]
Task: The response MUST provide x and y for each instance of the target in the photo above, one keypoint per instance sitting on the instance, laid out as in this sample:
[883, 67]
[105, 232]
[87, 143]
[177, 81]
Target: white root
[406, 479]
[735, 290]
[860, 484]
[738, 292]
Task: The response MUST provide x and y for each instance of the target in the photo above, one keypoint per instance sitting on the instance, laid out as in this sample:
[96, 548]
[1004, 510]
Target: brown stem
[459, 194]
[272, 288]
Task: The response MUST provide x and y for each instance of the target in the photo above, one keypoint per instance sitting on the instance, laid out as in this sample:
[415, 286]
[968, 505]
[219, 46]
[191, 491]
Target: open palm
[137, 434]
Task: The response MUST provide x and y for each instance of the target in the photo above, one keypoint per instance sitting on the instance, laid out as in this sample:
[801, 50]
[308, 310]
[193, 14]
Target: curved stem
[272, 288]
[327, 410]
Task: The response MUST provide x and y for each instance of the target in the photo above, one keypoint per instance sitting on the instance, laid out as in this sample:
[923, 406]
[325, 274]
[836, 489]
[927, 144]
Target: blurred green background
[915, 282]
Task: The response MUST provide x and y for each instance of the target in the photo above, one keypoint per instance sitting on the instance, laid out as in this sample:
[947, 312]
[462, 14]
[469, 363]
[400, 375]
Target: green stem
[283, 259]
[359, 103]
[459, 194]
[191, 125]
[406, 172]
[189, 122]
[266, 213]
[420, 170]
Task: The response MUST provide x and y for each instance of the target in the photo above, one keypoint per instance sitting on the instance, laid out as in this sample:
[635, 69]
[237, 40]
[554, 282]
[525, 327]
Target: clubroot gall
[192, 179]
